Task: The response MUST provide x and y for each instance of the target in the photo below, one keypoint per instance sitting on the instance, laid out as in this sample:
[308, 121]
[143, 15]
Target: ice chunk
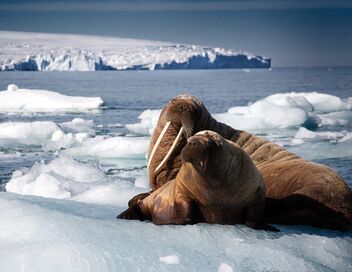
[27, 133]
[61, 178]
[224, 267]
[172, 259]
[45, 134]
[114, 147]
[78, 125]
[319, 102]
[142, 182]
[263, 115]
[304, 133]
[30, 100]
[149, 120]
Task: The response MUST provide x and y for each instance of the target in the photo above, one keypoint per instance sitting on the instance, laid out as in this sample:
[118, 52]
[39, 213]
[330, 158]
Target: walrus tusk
[171, 149]
[158, 142]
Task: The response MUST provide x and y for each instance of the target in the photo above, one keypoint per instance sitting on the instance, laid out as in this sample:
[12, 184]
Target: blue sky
[291, 32]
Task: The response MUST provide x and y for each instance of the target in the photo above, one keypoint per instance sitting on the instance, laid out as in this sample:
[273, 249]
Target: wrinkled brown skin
[298, 191]
[218, 183]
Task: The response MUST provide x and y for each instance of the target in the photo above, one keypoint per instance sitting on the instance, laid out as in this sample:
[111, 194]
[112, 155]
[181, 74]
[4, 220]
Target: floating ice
[172, 259]
[46, 134]
[39, 234]
[61, 178]
[304, 133]
[142, 182]
[27, 133]
[263, 115]
[149, 120]
[78, 125]
[30, 100]
[114, 147]
[224, 267]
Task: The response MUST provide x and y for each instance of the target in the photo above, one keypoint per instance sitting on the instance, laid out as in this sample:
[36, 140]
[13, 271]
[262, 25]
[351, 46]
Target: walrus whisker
[167, 125]
[178, 137]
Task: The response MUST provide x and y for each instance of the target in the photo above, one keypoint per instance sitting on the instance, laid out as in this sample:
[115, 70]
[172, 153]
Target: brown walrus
[297, 191]
[217, 183]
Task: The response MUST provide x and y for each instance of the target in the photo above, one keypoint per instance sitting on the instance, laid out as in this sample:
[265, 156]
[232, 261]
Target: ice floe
[46, 134]
[61, 178]
[40, 234]
[15, 99]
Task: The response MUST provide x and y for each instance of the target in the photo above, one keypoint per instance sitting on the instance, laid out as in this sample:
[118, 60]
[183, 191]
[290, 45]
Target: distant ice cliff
[21, 51]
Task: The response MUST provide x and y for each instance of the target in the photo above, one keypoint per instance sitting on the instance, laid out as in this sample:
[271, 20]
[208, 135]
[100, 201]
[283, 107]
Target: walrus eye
[173, 101]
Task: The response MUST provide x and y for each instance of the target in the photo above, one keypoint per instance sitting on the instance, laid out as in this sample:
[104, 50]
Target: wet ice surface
[72, 173]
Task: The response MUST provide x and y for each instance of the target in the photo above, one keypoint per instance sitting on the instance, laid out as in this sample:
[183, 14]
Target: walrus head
[183, 113]
[201, 150]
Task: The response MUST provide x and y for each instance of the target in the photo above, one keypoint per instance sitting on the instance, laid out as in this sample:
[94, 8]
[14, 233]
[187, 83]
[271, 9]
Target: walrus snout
[183, 111]
[196, 152]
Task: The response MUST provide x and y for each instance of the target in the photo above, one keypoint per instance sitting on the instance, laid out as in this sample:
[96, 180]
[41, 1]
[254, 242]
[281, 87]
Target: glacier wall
[62, 52]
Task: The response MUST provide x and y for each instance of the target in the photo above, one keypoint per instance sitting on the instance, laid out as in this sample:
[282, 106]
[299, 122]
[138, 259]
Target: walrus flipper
[138, 197]
[134, 212]
[251, 219]
[298, 209]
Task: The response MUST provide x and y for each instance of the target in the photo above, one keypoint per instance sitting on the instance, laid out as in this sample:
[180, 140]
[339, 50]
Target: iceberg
[29, 100]
[23, 51]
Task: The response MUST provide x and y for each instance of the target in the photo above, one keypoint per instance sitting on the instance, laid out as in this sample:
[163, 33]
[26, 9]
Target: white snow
[62, 52]
[224, 267]
[172, 259]
[30, 100]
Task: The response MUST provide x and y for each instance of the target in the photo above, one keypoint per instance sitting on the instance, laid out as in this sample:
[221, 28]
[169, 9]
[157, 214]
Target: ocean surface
[63, 182]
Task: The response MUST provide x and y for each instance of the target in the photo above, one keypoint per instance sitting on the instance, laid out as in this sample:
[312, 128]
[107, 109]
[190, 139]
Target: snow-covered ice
[41, 234]
[15, 99]
[172, 259]
[27, 133]
[62, 52]
[61, 178]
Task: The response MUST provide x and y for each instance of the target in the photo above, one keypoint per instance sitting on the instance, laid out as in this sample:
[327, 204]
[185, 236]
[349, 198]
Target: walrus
[217, 183]
[297, 191]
